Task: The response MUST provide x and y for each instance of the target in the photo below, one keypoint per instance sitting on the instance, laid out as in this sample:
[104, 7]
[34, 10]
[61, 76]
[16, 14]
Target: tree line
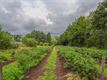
[90, 31]
[32, 39]
[36, 37]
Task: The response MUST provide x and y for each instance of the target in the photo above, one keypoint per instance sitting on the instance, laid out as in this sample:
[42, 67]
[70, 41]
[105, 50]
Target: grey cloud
[62, 13]
[58, 7]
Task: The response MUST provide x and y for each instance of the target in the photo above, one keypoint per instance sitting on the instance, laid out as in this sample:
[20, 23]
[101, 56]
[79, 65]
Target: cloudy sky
[23, 16]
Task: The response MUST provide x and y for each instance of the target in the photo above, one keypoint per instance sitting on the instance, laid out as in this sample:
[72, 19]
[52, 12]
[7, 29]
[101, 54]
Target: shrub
[6, 40]
[31, 42]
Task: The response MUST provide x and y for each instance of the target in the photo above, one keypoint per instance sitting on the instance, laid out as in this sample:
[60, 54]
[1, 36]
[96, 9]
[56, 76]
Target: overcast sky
[23, 16]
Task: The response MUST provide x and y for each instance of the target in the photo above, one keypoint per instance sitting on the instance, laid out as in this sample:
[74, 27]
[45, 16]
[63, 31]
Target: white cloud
[37, 11]
[5, 11]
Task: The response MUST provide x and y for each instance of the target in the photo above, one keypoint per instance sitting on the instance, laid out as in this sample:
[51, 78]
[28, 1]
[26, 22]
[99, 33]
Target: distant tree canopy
[32, 39]
[88, 31]
[17, 38]
[0, 28]
[40, 36]
[30, 42]
[48, 37]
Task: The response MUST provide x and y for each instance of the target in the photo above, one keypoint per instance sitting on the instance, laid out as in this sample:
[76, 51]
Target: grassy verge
[49, 74]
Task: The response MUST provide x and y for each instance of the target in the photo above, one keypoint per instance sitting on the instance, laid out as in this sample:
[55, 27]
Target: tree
[6, 40]
[88, 31]
[54, 41]
[39, 36]
[0, 29]
[75, 33]
[17, 38]
[100, 16]
[31, 42]
[49, 38]
[99, 25]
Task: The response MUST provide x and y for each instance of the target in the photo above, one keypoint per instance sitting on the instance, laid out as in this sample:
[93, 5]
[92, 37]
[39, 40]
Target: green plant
[26, 59]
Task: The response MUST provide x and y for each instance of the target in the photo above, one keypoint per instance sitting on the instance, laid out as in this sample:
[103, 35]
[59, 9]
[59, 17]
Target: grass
[49, 74]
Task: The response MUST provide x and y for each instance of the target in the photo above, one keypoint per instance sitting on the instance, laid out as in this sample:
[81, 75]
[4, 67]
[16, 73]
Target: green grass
[49, 74]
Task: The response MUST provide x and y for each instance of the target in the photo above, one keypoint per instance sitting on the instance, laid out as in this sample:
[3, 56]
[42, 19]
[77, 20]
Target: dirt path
[7, 62]
[38, 70]
[60, 71]
[50, 68]
[64, 74]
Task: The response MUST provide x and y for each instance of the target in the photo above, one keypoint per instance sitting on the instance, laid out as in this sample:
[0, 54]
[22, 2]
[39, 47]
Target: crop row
[5, 55]
[92, 52]
[25, 59]
[79, 61]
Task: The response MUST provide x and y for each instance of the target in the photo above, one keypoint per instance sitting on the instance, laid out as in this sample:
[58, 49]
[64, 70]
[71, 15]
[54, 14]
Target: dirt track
[61, 73]
[38, 70]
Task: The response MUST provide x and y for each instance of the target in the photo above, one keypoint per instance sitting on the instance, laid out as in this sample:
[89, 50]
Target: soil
[7, 62]
[37, 71]
[62, 73]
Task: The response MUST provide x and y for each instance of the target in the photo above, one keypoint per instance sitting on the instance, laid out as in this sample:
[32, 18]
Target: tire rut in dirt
[37, 71]
[60, 71]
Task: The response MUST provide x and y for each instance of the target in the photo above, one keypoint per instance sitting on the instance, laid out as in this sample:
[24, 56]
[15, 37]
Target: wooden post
[103, 64]
[0, 71]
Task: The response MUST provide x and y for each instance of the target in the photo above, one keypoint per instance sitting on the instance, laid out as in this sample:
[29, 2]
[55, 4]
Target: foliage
[29, 41]
[40, 36]
[49, 38]
[90, 31]
[17, 38]
[79, 62]
[54, 41]
[26, 59]
[6, 55]
[0, 28]
[75, 33]
[6, 40]
[12, 72]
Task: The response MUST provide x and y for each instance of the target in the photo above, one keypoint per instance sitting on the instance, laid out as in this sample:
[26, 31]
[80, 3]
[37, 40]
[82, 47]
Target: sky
[23, 16]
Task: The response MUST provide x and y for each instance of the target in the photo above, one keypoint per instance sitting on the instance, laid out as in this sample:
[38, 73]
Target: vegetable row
[81, 60]
[25, 59]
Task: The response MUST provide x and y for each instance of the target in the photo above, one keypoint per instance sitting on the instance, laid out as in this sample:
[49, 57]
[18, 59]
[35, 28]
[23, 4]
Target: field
[24, 59]
[83, 61]
[53, 63]
[53, 39]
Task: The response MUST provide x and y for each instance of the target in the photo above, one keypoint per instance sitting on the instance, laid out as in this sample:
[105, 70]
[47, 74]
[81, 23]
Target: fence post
[103, 64]
[0, 71]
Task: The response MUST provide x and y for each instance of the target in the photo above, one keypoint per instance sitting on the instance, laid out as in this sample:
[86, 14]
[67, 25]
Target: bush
[31, 42]
[6, 40]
